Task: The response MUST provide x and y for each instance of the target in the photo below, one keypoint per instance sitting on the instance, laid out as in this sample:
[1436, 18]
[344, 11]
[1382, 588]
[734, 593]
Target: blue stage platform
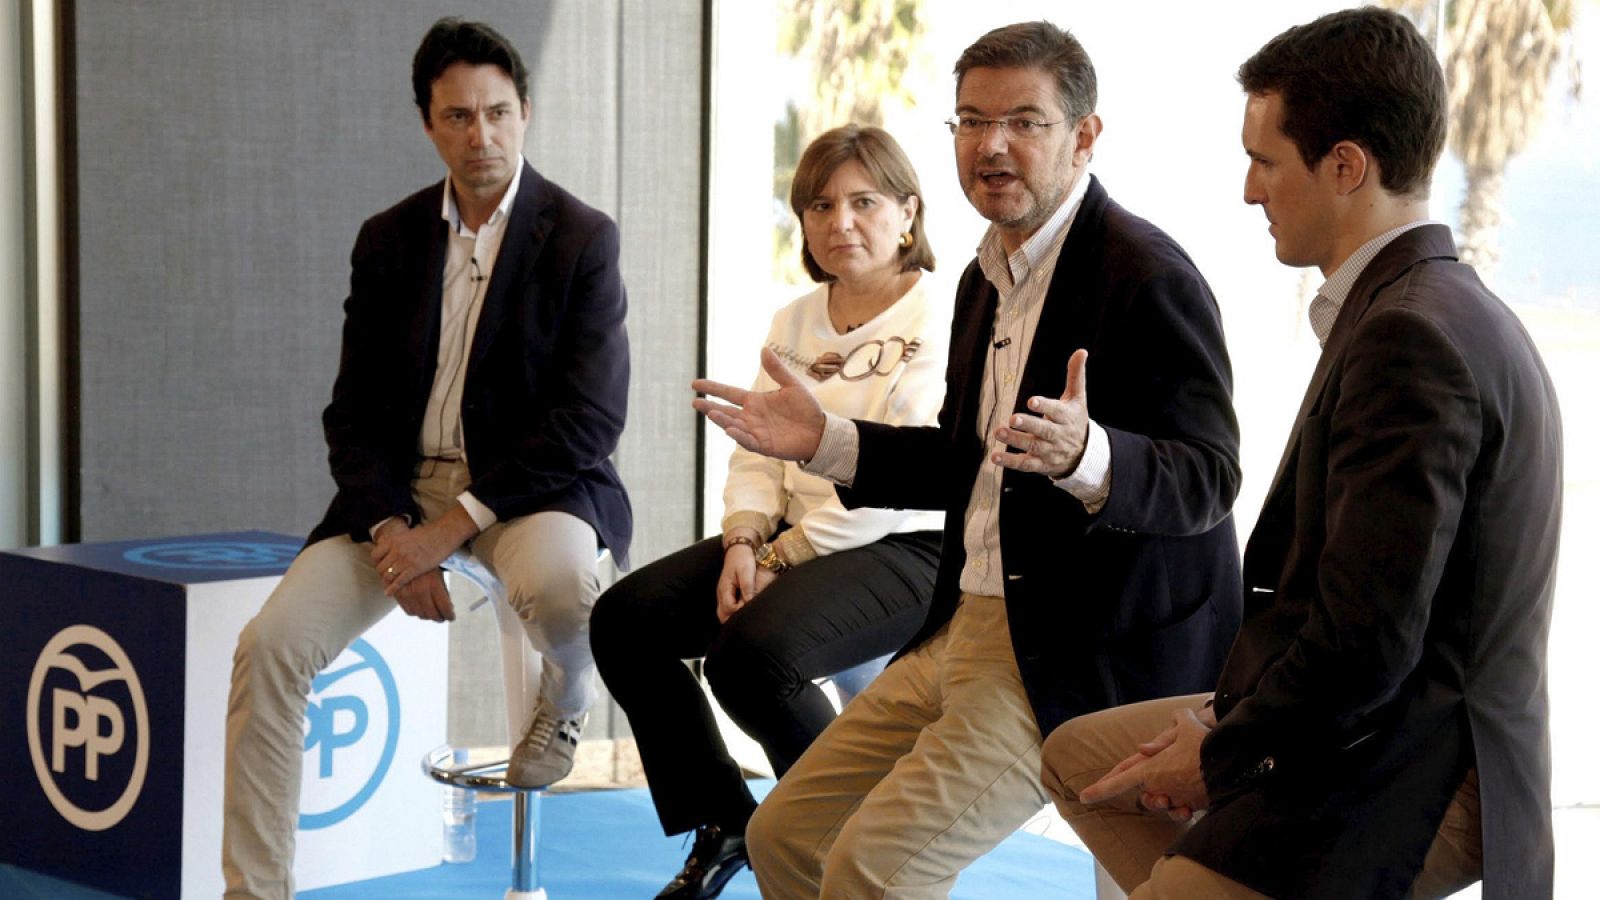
[604, 845]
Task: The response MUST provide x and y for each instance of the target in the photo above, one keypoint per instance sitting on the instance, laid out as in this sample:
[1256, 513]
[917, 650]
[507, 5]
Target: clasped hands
[407, 561]
[741, 579]
[1164, 770]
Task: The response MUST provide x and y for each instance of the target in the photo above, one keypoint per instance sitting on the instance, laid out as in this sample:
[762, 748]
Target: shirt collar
[1009, 271]
[450, 213]
[1330, 297]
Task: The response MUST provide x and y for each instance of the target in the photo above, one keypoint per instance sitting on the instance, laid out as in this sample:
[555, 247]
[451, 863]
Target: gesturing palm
[783, 424]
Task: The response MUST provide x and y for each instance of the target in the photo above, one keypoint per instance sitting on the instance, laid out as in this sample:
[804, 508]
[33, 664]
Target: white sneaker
[544, 755]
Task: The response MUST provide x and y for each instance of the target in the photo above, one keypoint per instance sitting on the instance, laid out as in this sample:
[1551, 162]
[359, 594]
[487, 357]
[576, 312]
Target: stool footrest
[485, 770]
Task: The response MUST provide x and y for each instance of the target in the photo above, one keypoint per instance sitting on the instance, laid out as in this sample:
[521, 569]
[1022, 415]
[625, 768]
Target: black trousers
[819, 618]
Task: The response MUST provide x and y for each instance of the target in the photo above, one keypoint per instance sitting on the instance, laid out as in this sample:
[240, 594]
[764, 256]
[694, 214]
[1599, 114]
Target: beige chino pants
[1131, 843]
[929, 768]
[329, 597]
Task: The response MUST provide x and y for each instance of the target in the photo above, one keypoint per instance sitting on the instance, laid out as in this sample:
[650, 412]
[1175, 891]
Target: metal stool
[485, 768]
[490, 776]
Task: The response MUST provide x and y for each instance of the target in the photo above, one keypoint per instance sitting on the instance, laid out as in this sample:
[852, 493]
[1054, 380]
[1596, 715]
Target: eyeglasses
[1015, 128]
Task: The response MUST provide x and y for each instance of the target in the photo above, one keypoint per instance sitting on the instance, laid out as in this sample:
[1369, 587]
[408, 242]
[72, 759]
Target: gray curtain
[225, 155]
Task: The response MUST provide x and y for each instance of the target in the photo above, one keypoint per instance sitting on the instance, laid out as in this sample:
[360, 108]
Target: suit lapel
[424, 331]
[526, 230]
[1046, 371]
[978, 304]
[1393, 261]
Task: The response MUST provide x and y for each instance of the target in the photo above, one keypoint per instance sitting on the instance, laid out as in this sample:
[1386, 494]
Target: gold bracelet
[767, 558]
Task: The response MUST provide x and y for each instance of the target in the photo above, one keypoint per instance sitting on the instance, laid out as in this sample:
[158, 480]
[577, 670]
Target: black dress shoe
[715, 858]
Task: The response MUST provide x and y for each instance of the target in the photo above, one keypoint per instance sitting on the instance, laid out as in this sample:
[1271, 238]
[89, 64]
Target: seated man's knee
[1071, 759]
[764, 837]
[266, 650]
[558, 604]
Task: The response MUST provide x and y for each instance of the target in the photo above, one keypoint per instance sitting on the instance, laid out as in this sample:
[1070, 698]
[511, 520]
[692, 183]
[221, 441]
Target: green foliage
[857, 53]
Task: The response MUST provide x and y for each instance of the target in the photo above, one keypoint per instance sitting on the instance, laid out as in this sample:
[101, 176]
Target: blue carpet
[607, 845]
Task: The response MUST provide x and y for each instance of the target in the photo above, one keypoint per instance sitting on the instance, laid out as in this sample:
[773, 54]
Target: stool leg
[525, 825]
[536, 815]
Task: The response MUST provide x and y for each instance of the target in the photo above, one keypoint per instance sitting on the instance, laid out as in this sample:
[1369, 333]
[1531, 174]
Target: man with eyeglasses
[480, 394]
[1089, 554]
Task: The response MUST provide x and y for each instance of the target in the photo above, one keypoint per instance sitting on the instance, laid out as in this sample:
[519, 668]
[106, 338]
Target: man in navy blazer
[481, 391]
[1381, 728]
[1089, 554]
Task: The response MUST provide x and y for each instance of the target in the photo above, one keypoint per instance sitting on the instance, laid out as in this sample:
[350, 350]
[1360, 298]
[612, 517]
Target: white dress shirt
[468, 264]
[1330, 297]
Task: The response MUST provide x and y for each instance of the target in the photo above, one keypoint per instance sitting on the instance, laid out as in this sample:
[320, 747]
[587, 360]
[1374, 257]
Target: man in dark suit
[1391, 667]
[1094, 565]
[480, 393]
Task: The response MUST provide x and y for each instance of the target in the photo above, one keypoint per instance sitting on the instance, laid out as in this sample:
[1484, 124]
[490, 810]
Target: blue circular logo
[325, 736]
[214, 555]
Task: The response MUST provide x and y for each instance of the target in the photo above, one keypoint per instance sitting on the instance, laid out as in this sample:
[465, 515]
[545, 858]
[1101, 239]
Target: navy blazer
[1401, 577]
[1141, 599]
[547, 377]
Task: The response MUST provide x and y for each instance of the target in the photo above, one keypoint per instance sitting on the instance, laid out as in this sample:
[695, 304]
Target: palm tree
[859, 53]
[1498, 59]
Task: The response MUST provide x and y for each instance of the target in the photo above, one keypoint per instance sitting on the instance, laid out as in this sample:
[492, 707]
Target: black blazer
[1401, 576]
[546, 381]
[1141, 599]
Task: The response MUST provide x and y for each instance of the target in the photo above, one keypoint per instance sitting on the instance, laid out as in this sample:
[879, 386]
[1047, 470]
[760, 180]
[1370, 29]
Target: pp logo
[88, 728]
[351, 730]
[213, 555]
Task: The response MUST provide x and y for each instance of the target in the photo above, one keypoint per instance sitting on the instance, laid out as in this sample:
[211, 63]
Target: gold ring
[391, 571]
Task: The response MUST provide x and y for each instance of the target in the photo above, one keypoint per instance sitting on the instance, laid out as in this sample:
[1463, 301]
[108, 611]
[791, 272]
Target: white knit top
[890, 369]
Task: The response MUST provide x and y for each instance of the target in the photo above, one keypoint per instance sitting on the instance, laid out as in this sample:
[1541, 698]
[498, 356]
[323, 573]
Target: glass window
[1519, 192]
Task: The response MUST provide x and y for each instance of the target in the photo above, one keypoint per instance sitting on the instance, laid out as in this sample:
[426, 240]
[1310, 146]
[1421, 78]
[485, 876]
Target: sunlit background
[785, 71]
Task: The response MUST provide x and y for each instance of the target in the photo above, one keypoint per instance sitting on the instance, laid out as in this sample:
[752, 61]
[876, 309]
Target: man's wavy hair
[1362, 75]
[1037, 45]
[453, 40]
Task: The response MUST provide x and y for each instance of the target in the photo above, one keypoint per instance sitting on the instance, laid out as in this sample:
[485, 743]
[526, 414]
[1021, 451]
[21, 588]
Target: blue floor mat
[607, 845]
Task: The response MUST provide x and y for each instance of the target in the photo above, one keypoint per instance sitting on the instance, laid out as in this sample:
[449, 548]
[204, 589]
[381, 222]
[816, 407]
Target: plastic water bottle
[460, 823]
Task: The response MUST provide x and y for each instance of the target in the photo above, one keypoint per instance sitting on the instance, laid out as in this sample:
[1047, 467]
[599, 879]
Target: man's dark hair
[1363, 75]
[1037, 45]
[453, 40]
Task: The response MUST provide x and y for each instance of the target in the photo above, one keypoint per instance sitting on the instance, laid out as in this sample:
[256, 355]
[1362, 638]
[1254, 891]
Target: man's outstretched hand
[783, 424]
[1051, 442]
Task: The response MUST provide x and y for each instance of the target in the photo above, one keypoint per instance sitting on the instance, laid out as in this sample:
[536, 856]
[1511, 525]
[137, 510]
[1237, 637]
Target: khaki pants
[1131, 843]
[329, 597]
[925, 771]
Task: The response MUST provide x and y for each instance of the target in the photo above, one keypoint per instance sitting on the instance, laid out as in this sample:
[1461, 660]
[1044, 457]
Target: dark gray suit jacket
[546, 385]
[1399, 588]
[1138, 600]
